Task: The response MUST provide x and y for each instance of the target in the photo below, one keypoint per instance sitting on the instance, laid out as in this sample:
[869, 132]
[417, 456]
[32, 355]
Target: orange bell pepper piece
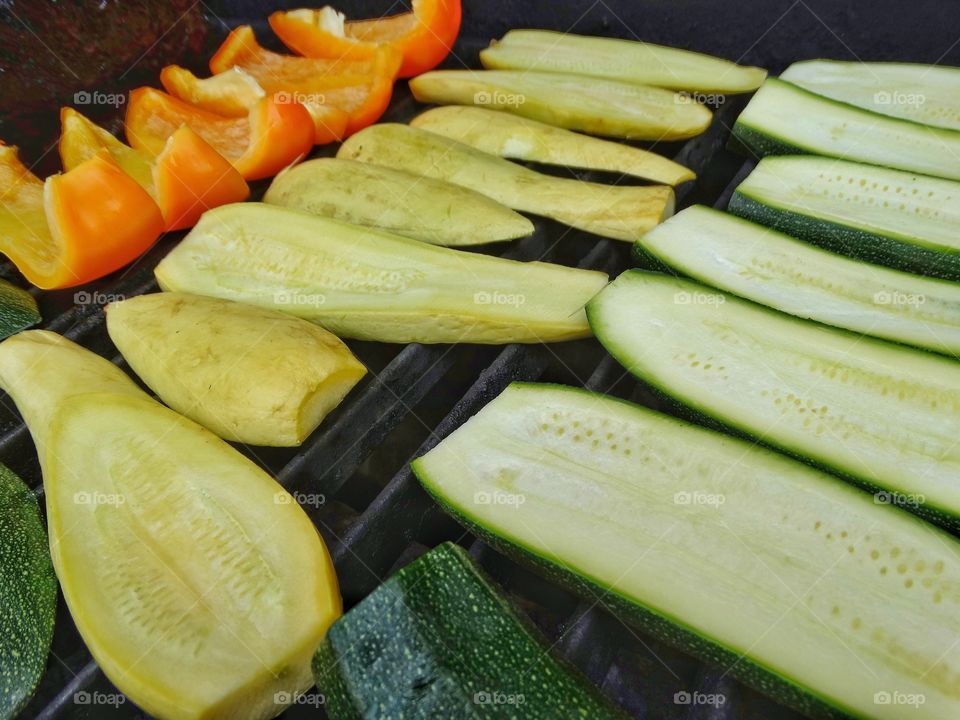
[362, 88]
[424, 36]
[234, 92]
[74, 227]
[271, 137]
[185, 179]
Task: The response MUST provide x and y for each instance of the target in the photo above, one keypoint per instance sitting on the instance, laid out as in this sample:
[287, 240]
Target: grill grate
[376, 518]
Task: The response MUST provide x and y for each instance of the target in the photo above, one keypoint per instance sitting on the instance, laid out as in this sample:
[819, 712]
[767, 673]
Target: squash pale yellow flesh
[618, 212]
[363, 283]
[198, 584]
[519, 138]
[248, 374]
[393, 200]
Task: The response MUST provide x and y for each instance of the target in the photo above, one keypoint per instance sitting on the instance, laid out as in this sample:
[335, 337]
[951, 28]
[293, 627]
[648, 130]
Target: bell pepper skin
[425, 36]
[271, 137]
[74, 227]
[185, 179]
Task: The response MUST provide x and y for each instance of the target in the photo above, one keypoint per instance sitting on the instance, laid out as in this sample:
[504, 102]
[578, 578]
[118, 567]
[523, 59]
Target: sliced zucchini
[618, 212]
[439, 641]
[199, 585]
[248, 374]
[28, 594]
[18, 309]
[627, 60]
[396, 201]
[888, 217]
[923, 93]
[805, 587]
[785, 119]
[363, 283]
[575, 102]
[763, 265]
[518, 138]
[882, 415]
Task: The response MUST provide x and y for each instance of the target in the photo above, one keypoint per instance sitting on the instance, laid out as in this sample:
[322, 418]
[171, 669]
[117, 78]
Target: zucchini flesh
[627, 60]
[785, 119]
[363, 283]
[518, 138]
[28, 594]
[805, 588]
[575, 102]
[888, 217]
[18, 309]
[439, 641]
[883, 415]
[396, 201]
[763, 265]
[922, 93]
[618, 212]
[199, 585]
[248, 374]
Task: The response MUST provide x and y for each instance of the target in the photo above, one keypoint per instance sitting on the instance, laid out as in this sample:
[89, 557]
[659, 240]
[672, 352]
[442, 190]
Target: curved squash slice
[197, 583]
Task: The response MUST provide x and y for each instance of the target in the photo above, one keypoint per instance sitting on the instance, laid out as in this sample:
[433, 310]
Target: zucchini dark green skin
[748, 141]
[18, 309]
[850, 241]
[437, 640]
[28, 594]
[663, 627]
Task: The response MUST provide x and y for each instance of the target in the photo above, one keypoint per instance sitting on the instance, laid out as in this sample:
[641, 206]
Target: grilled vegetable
[75, 227]
[887, 217]
[273, 135]
[18, 309]
[794, 570]
[440, 641]
[28, 594]
[410, 205]
[785, 119]
[186, 178]
[510, 136]
[367, 284]
[247, 374]
[575, 102]
[884, 416]
[198, 584]
[622, 213]
[424, 36]
[912, 91]
[773, 269]
[627, 60]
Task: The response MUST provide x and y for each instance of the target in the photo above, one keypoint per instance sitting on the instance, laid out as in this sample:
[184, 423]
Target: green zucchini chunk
[784, 119]
[437, 640]
[393, 200]
[880, 414]
[601, 107]
[18, 309]
[28, 594]
[776, 270]
[887, 217]
[518, 138]
[363, 283]
[913, 91]
[613, 211]
[627, 60]
[792, 580]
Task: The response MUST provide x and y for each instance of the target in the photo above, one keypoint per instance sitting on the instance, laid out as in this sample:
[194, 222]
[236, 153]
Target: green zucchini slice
[18, 309]
[913, 91]
[438, 640]
[784, 119]
[881, 414]
[28, 594]
[363, 283]
[773, 269]
[887, 217]
[627, 60]
[788, 578]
